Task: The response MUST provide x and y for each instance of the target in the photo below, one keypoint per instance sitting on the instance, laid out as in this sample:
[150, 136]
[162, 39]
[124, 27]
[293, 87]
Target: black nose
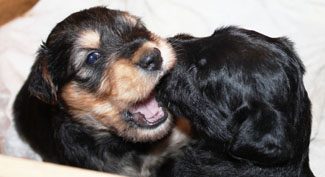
[151, 61]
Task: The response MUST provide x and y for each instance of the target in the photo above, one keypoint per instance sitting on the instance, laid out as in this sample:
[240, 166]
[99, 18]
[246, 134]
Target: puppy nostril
[151, 61]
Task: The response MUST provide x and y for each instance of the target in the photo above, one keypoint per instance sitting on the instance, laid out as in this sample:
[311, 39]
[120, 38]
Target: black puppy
[244, 95]
[89, 99]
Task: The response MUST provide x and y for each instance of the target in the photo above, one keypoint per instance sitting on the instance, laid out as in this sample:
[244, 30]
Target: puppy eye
[92, 57]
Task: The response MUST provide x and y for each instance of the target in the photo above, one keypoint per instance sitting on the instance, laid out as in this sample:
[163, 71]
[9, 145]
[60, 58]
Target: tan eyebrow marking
[89, 39]
[130, 18]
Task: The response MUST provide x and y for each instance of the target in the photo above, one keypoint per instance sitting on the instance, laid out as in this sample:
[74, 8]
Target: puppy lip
[146, 113]
[140, 121]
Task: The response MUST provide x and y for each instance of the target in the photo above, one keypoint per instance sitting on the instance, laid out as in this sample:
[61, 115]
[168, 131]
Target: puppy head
[102, 65]
[244, 89]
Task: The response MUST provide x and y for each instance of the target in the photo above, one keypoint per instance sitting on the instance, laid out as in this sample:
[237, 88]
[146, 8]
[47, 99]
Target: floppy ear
[261, 135]
[41, 84]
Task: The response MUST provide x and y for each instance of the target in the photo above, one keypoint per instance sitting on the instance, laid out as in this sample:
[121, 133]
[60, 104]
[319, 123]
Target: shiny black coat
[244, 95]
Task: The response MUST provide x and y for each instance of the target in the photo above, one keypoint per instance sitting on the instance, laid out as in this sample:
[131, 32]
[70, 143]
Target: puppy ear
[41, 84]
[261, 135]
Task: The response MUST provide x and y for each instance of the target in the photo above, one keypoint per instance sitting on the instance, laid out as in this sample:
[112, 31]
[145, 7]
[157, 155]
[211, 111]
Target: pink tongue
[149, 108]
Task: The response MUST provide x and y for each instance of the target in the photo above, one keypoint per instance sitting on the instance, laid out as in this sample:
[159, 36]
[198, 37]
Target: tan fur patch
[128, 83]
[130, 18]
[89, 39]
[82, 102]
[183, 125]
[167, 53]
[107, 113]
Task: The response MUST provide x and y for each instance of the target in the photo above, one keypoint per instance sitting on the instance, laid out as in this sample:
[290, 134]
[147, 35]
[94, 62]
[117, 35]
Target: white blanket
[301, 20]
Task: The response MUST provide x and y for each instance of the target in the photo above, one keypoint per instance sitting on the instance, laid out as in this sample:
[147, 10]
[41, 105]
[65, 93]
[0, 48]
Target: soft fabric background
[301, 20]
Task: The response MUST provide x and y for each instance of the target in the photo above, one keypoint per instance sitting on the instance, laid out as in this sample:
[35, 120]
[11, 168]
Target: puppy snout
[151, 61]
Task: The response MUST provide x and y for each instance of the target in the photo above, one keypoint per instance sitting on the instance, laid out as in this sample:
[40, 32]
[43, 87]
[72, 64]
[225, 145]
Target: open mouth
[147, 113]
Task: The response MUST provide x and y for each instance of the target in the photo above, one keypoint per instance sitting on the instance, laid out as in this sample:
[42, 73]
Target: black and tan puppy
[243, 92]
[89, 99]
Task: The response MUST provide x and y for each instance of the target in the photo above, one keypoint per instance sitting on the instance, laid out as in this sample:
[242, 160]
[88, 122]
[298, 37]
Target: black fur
[243, 92]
